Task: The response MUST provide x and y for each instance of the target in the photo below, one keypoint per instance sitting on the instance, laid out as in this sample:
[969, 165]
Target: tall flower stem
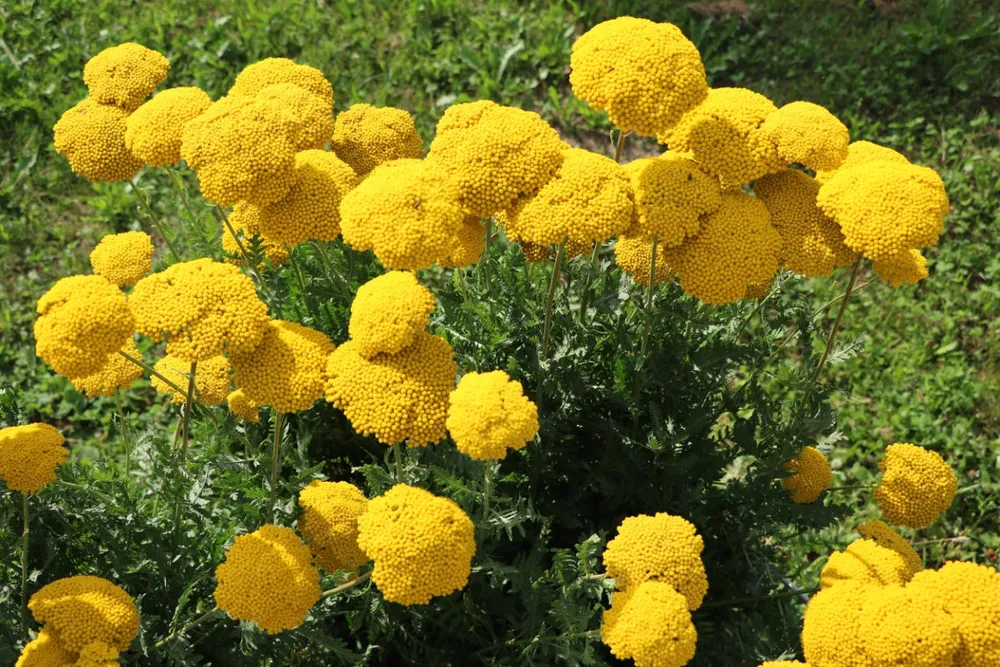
[188, 404]
[224, 219]
[126, 440]
[759, 598]
[487, 487]
[324, 257]
[178, 183]
[275, 460]
[620, 145]
[484, 258]
[152, 371]
[343, 587]
[156, 221]
[649, 302]
[300, 277]
[185, 629]
[836, 322]
[24, 564]
[543, 350]
[397, 451]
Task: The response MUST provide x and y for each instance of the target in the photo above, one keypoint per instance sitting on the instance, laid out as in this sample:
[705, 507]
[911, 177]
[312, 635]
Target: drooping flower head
[117, 372]
[810, 476]
[270, 71]
[245, 219]
[211, 379]
[422, 544]
[867, 562]
[899, 626]
[329, 521]
[883, 535]
[807, 134]
[365, 136]
[651, 625]
[153, 132]
[862, 152]
[488, 414]
[123, 258]
[243, 407]
[829, 625]
[29, 456]
[672, 198]
[45, 651]
[92, 137]
[125, 75]
[917, 485]
[633, 254]
[908, 267]
[82, 610]
[389, 312]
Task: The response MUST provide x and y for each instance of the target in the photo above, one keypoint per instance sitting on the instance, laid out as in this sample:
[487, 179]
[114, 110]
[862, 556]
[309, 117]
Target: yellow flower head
[311, 209]
[758, 290]
[395, 397]
[829, 626]
[633, 255]
[329, 520]
[884, 536]
[407, 212]
[29, 456]
[505, 155]
[92, 137]
[737, 247]
[672, 196]
[810, 475]
[307, 118]
[153, 132]
[862, 152]
[211, 379]
[245, 219]
[45, 651]
[488, 414]
[422, 544]
[125, 75]
[651, 625]
[243, 407]
[123, 258]
[389, 312]
[117, 372]
[82, 609]
[917, 485]
[646, 75]
[723, 135]
[663, 548]
[268, 578]
[467, 245]
[908, 267]
[535, 253]
[270, 71]
[901, 627]
[867, 562]
[81, 320]
[366, 136]
[201, 308]
[969, 593]
[588, 200]
[808, 134]
[98, 654]
[885, 208]
[286, 370]
[811, 243]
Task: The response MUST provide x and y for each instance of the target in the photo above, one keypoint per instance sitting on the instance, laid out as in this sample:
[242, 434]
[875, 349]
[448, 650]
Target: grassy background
[920, 76]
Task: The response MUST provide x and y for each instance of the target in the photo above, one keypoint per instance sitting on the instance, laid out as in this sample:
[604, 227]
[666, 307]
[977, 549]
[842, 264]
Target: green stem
[330, 271]
[24, 565]
[759, 598]
[125, 431]
[484, 258]
[850, 488]
[589, 286]
[300, 277]
[178, 183]
[275, 460]
[836, 322]
[620, 145]
[156, 221]
[152, 371]
[487, 487]
[649, 302]
[239, 242]
[553, 282]
[185, 629]
[343, 587]
[188, 405]
[397, 451]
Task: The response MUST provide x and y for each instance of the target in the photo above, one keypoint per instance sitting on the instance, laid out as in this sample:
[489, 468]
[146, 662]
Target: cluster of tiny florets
[651, 625]
[422, 544]
[811, 475]
[29, 456]
[45, 651]
[488, 414]
[92, 137]
[242, 407]
[633, 255]
[365, 136]
[917, 485]
[124, 75]
[211, 379]
[123, 258]
[154, 131]
[329, 522]
[672, 198]
[908, 267]
[883, 535]
[271, 71]
[807, 134]
[389, 312]
[245, 220]
[82, 610]
[117, 372]
[467, 245]
[867, 562]
[862, 152]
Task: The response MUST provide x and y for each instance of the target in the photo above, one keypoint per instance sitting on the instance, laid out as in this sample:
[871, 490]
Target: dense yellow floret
[633, 254]
[395, 397]
[29, 456]
[662, 548]
[829, 626]
[125, 75]
[286, 371]
[270, 71]
[885, 208]
[153, 132]
[268, 578]
[467, 245]
[901, 627]
[245, 219]
[862, 152]
[243, 407]
[329, 522]
[92, 137]
[646, 75]
[388, 312]
[366, 136]
[883, 535]
[306, 117]
[422, 544]
[758, 290]
[407, 212]
[867, 562]
[82, 609]
[589, 199]
[812, 244]
[117, 372]
[201, 308]
[488, 414]
[123, 258]
[908, 267]
[81, 320]
[810, 476]
[98, 654]
[737, 247]
[211, 379]
[917, 485]
[651, 625]
[807, 134]
[672, 196]
[45, 651]
[506, 155]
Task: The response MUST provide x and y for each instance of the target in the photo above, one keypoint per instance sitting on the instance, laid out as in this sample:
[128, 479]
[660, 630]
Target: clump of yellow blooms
[211, 379]
[268, 578]
[422, 544]
[867, 562]
[488, 414]
[916, 487]
[758, 290]
[98, 654]
[468, 244]
[646, 75]
[29, 456]
[498, 155]
[245, 220]
[83, 609]
[81, 320]
[311, 209]
[329, 522]
[117, 372]
[307, 118]
[201, 308]
[286, 371]
[125, 75]
[901, 627]
[123, 258]
[663, 548]
[365, 136]
[829, 626]
[270, 71]
[651, 625]
[92, 137]
[45, 651]
[908, 266]
[807, 134]
[243, 407]
[737, 247]
[812, 244]
[589, 199]
[633, 255]
[672, 196]
[862, 152]
[389, 312]
[883, 535]
[810, 477]
[406, 212]
[153, 132]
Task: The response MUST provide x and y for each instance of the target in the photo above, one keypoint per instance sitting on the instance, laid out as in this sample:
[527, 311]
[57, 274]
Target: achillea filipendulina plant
[867, 562]
[917, 485]
[329, 521]
[245, 220]
[153, 132]
[29, 456]
[123, 258]
[242, 407]
[125, 75]
[117, 372]
[672, 198]
[810, 476]
[92, 137]
[365, 136]
[211, 379]
[389, 312]
[488, 414]
[650, 624]
[84, 609]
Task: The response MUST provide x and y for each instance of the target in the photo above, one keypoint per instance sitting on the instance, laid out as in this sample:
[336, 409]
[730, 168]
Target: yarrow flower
[245, 220]
[651, 625]
[899, 626]
[917, 485]
[884, 536]
[422, 544]
[389, 312]
[488, 414]
[467, 245]
[154, 131]
[829, 625]
[862, 152]
[646, 75]
[92, 137]
[29, 456]
[125, 75]
[117, 372]
[45, 651]
[908, 267]
[672, 198]
[307, 117]
[211, 379]
[867, 562]
[123, 258]
[270, 71]
[810, 477]
[329, 522]
[365, 136]
[82, 610]
[268, 578]
[633, 255]
[807, 134]
[243, 407]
